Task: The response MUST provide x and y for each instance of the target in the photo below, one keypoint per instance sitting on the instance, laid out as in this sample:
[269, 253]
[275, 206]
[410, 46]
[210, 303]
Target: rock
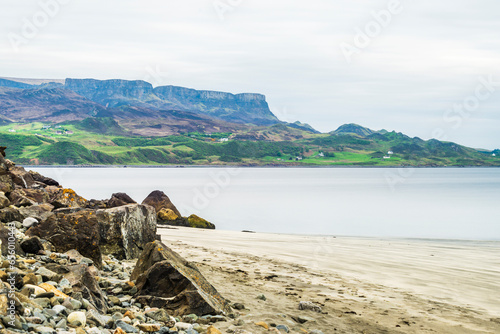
[213, 330]
[50, 288]
[306, 305]
[316, 331]
[99, 319]
[262, 297]
[302, 319]
[120, 199]
[6, 184]
[32, 245]
[262, 324]
[38, 211]
[82, 281]
[30, 279]
[158, 200]
[125, 230]
[10, 214]
[197, 222]
[126, 327]
[167, 214]
[238, 306]
[77, 319]
[29, 289]
[47, 275]
[30, 221]
[283, 328]
[62, 324]
[182, 326]
[149, 327]
[42, 302]
[80, 231]
[4, 201]
[166, 280]
[44, 330]
[21, 177]
[119, 331]
[159, 315]
[62, 197]
[59, 309]
[7, 235]
[43, 179]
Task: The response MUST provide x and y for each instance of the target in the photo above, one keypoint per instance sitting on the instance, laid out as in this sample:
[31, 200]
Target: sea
[427, 203]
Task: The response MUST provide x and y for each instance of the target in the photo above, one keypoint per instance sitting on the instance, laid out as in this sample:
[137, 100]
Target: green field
[74, 144]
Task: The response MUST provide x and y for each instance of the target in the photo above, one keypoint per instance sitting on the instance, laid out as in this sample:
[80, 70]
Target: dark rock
[4, 201]
[5, 235]
[32, 245]
[21, 177]
[83, 281]
[119, 199]
[126, 327]
[158, 200]
[125, 230]
[166, 280]
[43, 179]
[197, 222]
[6, 183]
[27, 197]
[74, 230]
[10, 214]
[39, 211]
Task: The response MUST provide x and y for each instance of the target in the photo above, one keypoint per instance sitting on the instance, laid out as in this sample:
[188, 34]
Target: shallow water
[447, 203]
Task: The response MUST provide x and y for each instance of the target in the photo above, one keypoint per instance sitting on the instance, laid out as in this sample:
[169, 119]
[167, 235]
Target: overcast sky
[422, 69]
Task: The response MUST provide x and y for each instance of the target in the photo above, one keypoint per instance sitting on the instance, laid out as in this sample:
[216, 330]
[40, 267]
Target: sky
[426, 68]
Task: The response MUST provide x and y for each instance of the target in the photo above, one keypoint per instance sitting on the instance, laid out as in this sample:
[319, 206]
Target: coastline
[445, 287]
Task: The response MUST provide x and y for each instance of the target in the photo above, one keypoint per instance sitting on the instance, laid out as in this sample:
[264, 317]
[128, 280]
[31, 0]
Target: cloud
[428, 57]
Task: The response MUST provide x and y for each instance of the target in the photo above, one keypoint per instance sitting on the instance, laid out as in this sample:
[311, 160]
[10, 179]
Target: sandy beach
[364, 285]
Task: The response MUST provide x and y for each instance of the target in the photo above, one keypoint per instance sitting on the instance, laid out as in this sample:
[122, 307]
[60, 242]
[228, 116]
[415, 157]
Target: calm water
[417, 203]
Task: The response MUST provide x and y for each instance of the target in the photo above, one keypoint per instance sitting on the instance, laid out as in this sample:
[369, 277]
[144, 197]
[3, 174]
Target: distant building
[493, 155]
[222, 140]
[58, 126]
[298, 158]
[59, 133]
[69, 132]
[46, 127]
[12, 130]
[390, 153]
[321, 154]
[387, 157]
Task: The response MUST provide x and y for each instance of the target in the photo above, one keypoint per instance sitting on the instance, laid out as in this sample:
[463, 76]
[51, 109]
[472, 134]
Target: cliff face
[239, 108]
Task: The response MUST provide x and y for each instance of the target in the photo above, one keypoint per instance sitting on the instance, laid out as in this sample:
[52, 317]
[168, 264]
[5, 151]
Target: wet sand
[364, 285]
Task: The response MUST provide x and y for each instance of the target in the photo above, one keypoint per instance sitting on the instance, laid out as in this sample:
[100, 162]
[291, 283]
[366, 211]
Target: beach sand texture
[364, 285]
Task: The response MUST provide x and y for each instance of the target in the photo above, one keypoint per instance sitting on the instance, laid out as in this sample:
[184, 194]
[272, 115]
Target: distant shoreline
[243, 166]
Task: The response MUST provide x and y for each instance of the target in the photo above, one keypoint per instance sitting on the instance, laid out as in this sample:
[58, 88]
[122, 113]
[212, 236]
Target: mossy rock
[167, 214]
[198, 222]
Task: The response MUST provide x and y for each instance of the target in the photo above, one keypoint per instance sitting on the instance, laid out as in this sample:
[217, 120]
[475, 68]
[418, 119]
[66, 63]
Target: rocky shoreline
[71, 265]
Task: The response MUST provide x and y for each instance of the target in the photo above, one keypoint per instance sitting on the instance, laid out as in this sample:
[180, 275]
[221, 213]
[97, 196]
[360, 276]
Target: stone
[37, 211]
[43, 179]
[126, 327]
[45, 330]
[50, 288]
[125, 230]
[119, 331]
[10, 214]
[262, 324]
[80, 230]
[77, 318]
[7, 234]
[42, 302]
[302, 319]
[26, 197]
[83, 281]
[238, 306]
[167, 214]
[283, 328]
[32, 245]
[30, 221]
[159, 315]
[99, 319]
[29, 289]
[149, 327]
[158, 200]
[213, 330]
[62, 324]
[64, 198]
[6, 184]
[59, 309]
[30, 279]
[165, 280]
[262, 297]
[120, 199]
[21, 177]
[47, 275]
[4, 201]
[316, 331]
[182, 326]
[307, 305]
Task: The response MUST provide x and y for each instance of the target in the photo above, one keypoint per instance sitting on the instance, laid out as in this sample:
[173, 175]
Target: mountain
[236, 108]
[348, 129]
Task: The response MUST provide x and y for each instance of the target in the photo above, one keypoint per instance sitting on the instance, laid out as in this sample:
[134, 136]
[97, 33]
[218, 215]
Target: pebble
[306, 305]
[262, 324]
[283, 328]
[30, 221]
[126, 327]
[77, 319]
[262, 297]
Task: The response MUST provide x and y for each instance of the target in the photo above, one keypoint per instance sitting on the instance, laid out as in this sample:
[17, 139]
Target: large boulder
[10, 214]
[27, 197]
[21, 177]
[47, 181]
[39, 211]
[63, 197]
[83, 281]
[198, 222]
[71, 229]
[119, 199]
[158, 200]
[125, 230]
[8, 238]
[4, 201]
[6, 183]
[166, 280]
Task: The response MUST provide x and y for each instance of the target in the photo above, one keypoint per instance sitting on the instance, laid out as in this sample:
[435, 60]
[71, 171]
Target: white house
[390, 153]
[387, 157]
[493, 155]
[12, 130]
[321, 154]
[223, 140]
